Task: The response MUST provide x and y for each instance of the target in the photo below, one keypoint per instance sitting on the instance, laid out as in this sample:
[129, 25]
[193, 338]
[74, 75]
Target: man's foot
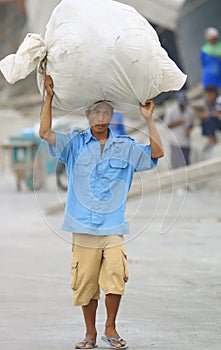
[208, 147]
[112, 338]
[115, 343]
[86, 344]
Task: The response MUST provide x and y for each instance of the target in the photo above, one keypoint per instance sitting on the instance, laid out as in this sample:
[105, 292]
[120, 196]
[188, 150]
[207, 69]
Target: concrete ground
[172, 299]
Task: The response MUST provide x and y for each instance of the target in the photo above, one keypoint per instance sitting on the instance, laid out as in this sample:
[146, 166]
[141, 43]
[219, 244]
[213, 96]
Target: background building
[196, 15]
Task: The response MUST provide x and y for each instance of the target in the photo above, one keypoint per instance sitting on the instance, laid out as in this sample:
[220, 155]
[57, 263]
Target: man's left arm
[155, 139]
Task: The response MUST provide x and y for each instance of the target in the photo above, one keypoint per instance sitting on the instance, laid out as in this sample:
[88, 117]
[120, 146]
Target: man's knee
[114, 271]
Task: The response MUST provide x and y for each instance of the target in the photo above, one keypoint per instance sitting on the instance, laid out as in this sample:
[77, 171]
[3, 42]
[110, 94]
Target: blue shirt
[211, 70]
[98, 183]
[116, 124]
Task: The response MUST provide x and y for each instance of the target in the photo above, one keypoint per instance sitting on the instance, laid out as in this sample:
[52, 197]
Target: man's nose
[101, 117]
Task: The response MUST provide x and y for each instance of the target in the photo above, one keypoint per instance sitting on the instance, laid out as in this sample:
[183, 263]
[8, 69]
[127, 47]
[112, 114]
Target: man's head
[181, 98]
[211, 35]
[211, 93]
[99, 115]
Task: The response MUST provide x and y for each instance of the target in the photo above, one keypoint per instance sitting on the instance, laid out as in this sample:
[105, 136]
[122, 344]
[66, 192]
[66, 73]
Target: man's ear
[87, 112]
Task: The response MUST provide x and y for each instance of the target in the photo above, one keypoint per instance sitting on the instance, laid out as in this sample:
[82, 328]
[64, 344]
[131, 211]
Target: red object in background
[20, 4]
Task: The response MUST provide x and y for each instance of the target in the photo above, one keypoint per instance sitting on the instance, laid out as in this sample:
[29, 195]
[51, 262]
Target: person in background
[211, 116]
[210, 55]
[117, 124]
[179, 118]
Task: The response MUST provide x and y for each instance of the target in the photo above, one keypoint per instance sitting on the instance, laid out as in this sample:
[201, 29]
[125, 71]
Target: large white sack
[100, 50]
[29, 54]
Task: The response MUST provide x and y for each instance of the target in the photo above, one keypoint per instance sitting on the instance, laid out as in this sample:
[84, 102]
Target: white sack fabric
[29, 54]
[97, 50]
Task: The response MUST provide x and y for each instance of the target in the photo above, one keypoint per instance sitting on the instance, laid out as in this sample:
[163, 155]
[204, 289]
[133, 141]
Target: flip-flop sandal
[86, 344]
[109, 340]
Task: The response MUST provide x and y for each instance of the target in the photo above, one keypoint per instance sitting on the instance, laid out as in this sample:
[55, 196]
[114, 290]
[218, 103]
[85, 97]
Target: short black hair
[211, 88]
[109, 103]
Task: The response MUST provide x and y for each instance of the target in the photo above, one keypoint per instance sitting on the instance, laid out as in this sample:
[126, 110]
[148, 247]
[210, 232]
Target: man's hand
[49, 85]
[147, 109]
[45, 131]
[203, 115]
[154, 137]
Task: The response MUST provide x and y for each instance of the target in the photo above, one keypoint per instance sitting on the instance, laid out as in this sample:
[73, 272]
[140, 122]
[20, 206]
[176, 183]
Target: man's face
[99, 118]
[213, 40]
[211, 96]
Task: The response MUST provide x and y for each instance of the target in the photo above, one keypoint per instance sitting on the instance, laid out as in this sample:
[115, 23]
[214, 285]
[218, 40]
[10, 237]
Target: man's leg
[209, 127]
[89, 312]
[114, 274]
[112, 302]
[86, 292]
[177, 157]
[186, 155]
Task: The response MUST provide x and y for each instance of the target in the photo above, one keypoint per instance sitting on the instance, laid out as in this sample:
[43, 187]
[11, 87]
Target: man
[179, 118]
[100, 168]
[211, 116]
[210, 56]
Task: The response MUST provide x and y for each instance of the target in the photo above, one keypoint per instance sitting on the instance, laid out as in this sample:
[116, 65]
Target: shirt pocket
[118, 163]
[83, 165]
[116, 167]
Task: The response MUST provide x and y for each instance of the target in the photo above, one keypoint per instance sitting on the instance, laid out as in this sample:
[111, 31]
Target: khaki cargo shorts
[97, 262]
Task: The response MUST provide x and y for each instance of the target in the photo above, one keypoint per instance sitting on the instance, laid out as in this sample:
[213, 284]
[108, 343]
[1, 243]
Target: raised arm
[45, 131]
[155, 140]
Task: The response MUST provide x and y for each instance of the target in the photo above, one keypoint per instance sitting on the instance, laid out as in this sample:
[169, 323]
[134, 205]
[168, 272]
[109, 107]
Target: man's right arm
[45, 131]
[155, 139]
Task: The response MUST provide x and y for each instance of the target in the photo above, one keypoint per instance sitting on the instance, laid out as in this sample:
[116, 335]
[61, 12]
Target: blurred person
[211, 116]
[179, 118]
[117, 124]
[100, 169]
[210, 55]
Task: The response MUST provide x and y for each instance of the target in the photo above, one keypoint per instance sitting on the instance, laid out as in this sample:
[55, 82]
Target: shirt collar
[89, 136]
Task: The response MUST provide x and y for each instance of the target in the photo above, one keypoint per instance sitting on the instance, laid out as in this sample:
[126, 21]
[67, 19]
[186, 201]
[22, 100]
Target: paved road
[173, 297]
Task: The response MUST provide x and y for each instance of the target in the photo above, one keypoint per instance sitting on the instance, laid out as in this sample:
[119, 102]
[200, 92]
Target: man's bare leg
[89, 312]
[112, 302]
[212, 140]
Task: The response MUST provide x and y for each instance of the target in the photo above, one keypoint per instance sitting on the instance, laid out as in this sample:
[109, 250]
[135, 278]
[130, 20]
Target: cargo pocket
[125, 265]
[74, 274]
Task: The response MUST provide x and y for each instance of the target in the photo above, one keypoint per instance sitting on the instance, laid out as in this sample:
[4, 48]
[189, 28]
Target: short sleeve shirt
[179, 136]
[98, 182]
